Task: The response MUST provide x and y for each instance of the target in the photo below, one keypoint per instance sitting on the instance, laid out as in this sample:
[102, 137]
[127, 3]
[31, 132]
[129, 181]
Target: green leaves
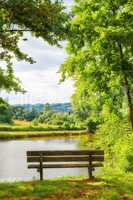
[100, 53]
[43, 18]
[5, 112]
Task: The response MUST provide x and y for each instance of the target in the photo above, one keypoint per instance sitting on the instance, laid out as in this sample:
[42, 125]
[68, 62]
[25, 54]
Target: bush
[60, 119]
[92, 126]
[115, 137]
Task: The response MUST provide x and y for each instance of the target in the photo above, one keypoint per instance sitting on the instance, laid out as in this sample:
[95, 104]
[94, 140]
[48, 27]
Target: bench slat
[66, 152]
[36, 166]
[64, 158]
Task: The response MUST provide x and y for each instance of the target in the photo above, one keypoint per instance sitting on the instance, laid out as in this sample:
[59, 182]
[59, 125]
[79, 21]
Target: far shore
[28, 134]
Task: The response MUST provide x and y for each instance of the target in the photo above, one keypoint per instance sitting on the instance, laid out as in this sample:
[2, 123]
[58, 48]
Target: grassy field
[29, 134]
[19, 125]
[23, 129]
[69, 189]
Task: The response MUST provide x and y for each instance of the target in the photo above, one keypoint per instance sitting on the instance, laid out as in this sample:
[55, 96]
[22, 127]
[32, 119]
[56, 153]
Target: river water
[13, 164]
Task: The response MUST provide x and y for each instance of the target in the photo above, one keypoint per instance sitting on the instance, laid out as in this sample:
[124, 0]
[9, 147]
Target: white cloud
[42, 87]
[41, 80]
[46, 56]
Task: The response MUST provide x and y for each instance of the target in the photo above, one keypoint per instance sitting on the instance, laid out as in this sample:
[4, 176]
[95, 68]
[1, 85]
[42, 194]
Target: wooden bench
[65, 159]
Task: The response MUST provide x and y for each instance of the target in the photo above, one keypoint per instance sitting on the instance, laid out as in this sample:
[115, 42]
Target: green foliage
[100, 61]
[5, 112]
[21, 113]
[59, 119]
[115, 137]
[100, 56]
[44, 18]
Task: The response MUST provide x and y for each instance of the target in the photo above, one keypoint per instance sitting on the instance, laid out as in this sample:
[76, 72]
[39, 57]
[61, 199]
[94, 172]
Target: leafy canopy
[43, 18]
[100, 52]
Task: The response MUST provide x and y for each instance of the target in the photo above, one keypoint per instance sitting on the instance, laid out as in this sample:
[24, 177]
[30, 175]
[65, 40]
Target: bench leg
[90, 168]
[41, 174]
[41, 169]
[90, 173]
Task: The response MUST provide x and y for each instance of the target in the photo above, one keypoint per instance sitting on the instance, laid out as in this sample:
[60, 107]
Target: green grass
[24, 129]
[6, 127]
[28, 134]
[69, 189]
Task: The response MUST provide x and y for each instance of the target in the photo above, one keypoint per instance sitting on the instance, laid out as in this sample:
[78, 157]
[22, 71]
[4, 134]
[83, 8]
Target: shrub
[115, 137]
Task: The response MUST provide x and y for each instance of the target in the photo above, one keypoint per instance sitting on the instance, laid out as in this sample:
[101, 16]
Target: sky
[41, 80]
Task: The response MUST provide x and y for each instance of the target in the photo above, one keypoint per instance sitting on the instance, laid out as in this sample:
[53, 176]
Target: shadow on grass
[68, 189]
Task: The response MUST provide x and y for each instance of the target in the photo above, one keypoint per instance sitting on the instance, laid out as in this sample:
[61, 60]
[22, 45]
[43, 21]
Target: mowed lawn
[68, 189]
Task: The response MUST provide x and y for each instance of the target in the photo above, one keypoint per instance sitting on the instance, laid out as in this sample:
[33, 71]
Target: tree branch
[20, 30]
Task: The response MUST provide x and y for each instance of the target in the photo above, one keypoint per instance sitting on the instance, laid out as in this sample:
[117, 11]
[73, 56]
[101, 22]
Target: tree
[56, 119]
[100, 52]
[22, 113]
[5, 112]
[43, 18]
[18, 112]
[47, 108]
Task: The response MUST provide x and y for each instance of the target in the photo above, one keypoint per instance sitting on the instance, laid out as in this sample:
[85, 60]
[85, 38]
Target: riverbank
[28, 134]
[69, 189]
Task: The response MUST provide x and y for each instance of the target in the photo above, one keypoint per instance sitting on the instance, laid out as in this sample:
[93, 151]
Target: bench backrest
[65, 156]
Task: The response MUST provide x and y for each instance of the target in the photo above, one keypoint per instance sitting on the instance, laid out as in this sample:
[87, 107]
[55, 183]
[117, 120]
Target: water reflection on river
[13, 164]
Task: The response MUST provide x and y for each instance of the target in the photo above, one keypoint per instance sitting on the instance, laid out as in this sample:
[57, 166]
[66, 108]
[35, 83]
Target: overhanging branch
[20, 30]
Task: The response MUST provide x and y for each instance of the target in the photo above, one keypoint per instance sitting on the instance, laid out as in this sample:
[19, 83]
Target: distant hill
[58, 107]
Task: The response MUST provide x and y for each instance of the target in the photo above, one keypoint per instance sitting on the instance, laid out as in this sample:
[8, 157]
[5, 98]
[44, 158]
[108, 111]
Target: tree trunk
[127, 87]
[130, 106]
